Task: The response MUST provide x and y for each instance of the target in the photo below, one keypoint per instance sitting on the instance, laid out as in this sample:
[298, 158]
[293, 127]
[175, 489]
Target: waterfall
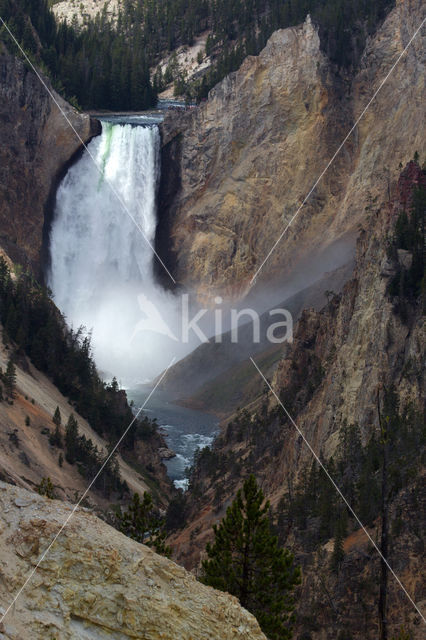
[100, 261]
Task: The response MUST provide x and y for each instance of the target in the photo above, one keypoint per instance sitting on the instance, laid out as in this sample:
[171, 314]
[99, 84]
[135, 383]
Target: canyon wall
[334, 374]
[97, 583]
[244, 161]
[37, 144]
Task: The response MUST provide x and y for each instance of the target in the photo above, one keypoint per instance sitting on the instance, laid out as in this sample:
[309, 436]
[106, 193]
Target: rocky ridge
[239, 167]
[96, 583]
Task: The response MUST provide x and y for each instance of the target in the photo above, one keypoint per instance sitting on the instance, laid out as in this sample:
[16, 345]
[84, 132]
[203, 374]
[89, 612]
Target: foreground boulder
[97, 583]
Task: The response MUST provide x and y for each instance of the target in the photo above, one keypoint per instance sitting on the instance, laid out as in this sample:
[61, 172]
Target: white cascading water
[100, 262]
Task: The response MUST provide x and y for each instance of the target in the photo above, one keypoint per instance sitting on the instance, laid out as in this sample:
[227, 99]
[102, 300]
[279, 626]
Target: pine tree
[246, 561]
[57, 418]
[10, 379]
[11, 325]
[70, 52]
[339, 535]
[55, 438]
[71, 439]
[141, 523]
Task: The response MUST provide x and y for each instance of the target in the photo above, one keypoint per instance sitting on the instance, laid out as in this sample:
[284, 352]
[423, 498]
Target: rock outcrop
[69, 10]
[96, 583]
[37, 143]
[242, 164]
[372, 345]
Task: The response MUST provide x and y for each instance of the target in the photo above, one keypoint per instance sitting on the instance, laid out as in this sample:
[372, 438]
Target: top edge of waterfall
[147, 119]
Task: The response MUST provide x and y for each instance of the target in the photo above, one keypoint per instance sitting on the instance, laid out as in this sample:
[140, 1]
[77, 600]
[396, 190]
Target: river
[184, 429]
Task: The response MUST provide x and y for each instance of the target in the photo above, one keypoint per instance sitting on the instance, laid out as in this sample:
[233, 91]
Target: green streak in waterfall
[108, 128]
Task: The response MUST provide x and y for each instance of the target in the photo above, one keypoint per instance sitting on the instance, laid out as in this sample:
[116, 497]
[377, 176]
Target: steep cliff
[243, 162]
[96, 583]
[37, 144]
[343, 358]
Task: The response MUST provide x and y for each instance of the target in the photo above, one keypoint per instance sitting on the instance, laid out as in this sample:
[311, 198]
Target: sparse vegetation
[403, 635]
[46, 488]
[316, 509]
[408, 284]
[14, 438]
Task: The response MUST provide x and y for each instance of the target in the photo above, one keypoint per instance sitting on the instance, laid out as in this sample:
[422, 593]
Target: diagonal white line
[85, 493]
[340, 492]
[336, 153]
[111, 186]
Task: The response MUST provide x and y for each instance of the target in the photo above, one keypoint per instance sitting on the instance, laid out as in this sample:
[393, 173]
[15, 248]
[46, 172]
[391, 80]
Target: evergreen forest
[112, 63]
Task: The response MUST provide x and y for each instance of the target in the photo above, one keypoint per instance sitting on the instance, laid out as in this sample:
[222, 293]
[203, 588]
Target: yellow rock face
[250, 155]
[96, 583]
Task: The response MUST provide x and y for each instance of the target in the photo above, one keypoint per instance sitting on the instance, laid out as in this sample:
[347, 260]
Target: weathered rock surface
[341, 358]
[362, 343]
[166, 454]
[97, 583]
[36, 144]
[241, 164]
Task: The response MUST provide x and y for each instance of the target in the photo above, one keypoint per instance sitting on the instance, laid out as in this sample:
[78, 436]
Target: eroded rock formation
[97, 583]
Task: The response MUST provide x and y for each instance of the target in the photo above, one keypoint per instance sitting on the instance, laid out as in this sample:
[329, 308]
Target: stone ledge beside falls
[38, 143]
